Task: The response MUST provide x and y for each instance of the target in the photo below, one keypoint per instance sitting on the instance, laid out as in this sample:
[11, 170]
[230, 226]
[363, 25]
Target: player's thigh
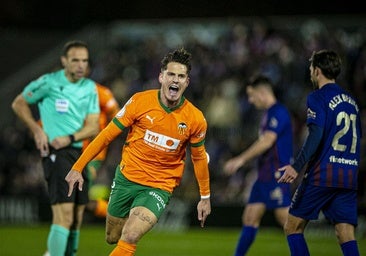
[113, 228]
[78, 216]
[140, 221]
[253, 214]
[281, 215]
[294, 225]
[345, 232]
[63, 214]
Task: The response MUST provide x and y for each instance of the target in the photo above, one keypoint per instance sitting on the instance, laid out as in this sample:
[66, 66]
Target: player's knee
[112, 239]
[287, 229]
[131, 237]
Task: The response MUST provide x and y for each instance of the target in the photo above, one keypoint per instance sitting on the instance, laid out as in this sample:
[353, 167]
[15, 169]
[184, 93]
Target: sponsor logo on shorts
[160, 203]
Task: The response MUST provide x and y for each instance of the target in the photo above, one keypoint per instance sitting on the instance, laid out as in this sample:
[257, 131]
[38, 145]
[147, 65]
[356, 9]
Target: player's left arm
[290, 172]
[200, 164]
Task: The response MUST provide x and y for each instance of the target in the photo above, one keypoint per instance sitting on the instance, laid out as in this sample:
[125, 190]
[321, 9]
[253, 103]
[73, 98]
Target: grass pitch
[31, 241]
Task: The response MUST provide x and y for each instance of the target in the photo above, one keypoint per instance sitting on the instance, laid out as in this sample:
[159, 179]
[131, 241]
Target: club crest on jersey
[311, 114]
[182, 127]
[273, 122]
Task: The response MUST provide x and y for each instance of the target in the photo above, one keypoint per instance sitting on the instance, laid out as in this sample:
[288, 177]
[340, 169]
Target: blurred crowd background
[125, 56]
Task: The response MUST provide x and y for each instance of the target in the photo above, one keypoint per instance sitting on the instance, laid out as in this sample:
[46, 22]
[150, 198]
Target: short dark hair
[72, 44]
[179, 55]
[259, 79]
[328, 61]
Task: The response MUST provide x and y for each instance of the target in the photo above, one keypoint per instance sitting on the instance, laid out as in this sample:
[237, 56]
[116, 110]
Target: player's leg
[62, 218]
[140, 221]
[346, 238]
[280, 202]
[294, 229]
[281, 215]
[306, 202]
[120, 200]
[146, 204]
[251, 219]
[113, 228]
[342, 211]
[56, 167]
[74, 236]
[80, 200]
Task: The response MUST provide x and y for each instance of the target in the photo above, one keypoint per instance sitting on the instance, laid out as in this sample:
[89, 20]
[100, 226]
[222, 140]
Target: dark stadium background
[74, 14]
[41, 16]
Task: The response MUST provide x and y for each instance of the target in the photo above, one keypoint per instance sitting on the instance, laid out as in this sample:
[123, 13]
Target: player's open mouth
[173, 89]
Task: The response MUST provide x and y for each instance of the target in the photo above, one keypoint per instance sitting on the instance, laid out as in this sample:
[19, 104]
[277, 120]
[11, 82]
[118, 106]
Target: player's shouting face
[174, 80]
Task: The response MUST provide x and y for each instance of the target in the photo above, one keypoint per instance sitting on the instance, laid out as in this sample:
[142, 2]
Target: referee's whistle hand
[72, 178]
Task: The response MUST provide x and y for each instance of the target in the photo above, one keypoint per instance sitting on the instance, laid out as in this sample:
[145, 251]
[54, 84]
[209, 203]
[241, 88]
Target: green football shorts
[126, 195]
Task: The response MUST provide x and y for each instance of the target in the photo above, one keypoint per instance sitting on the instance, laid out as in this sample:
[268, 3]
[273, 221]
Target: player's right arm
[104, 138]
[22, 109]
[261, 145]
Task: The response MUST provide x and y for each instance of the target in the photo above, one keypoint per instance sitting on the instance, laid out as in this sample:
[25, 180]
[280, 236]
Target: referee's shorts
[55, 167]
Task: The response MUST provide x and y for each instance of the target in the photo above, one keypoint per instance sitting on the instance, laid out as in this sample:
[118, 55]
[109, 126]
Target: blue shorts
[272, 194]
[339, 205]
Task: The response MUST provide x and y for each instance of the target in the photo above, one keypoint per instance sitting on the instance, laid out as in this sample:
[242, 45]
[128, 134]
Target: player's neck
[325, 81]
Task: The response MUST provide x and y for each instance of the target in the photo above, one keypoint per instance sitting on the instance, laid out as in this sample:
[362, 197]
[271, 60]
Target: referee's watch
[72, 138]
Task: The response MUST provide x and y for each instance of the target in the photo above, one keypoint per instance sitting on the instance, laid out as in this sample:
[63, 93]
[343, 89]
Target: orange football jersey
[155, 147]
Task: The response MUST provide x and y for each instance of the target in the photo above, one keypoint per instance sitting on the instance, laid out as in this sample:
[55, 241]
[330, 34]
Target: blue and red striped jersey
[336, 161]
[278, 120]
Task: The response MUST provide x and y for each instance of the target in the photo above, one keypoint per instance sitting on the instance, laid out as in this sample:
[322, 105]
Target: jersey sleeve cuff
[205, 197]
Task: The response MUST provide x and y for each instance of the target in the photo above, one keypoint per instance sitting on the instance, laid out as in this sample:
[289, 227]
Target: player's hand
[289, 174]
[41, 141]
[203, 210]
[72, 178]
[60, 142]
[232, 165]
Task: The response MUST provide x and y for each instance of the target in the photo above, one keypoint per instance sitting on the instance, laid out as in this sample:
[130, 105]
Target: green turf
[31, 240]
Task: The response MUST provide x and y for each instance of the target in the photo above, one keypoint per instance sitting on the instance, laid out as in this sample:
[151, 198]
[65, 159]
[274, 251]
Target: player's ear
[63, 61]
[317, 71]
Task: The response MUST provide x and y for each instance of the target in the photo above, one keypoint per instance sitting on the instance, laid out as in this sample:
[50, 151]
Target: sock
[101, 208]
[350, 248]
[297, 244]
[57, 240]
[72, 243]
[123, 249]
[246, 239]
